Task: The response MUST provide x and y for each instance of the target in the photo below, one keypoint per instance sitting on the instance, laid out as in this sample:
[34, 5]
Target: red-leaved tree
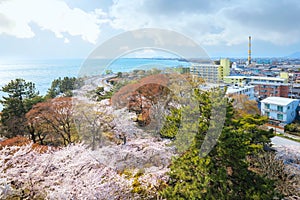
[52, 121]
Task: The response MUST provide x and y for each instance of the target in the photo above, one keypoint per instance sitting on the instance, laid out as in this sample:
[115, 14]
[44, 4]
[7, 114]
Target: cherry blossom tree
[92, 120]
[75, 172]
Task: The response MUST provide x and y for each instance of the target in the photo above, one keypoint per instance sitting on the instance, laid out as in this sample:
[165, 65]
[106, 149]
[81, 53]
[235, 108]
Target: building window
[280, 116]
[280, 108]
[268, 114]
[288, 107]
[267, 106]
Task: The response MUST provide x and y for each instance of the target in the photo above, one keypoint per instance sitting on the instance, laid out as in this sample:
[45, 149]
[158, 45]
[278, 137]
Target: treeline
[45, 119]
[213, 162]
[236, 164]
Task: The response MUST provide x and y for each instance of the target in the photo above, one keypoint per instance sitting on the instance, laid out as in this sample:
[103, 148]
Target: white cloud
[53, 15]
[149, 53]
[215, 22]
[66, 41]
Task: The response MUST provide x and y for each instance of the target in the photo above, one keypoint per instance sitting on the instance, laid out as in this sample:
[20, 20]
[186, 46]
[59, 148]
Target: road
[283, 142]
[292, 136]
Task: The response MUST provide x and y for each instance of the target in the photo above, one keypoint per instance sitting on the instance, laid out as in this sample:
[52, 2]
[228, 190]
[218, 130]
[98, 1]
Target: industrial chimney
[249, 51]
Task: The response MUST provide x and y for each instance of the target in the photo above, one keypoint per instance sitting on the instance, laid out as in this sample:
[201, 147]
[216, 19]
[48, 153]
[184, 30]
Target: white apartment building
[244, 90]
[279, 110]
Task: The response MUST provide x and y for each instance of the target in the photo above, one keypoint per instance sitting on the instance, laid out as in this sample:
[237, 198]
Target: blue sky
[39, 29]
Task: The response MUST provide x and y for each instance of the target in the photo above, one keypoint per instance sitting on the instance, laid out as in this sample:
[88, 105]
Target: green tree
[63, 87]
[224, 172]
[100, 94]
[21, 97]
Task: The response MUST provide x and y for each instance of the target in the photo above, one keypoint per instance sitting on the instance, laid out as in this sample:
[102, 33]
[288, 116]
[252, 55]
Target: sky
[58, 29]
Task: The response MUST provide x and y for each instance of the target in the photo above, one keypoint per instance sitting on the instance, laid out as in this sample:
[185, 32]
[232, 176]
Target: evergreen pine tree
[21, 97]
[223, 173]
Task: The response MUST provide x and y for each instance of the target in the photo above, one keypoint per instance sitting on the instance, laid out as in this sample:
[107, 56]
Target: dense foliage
[293, 128]
[209, 147]
[21, 97]
[223, 173]
[63, 87]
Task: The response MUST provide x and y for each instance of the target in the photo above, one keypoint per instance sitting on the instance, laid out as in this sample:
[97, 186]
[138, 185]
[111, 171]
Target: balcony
[273, 110]
[276, 120]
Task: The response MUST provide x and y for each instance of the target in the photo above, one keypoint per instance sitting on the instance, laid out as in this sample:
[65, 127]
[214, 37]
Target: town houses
[273, 83]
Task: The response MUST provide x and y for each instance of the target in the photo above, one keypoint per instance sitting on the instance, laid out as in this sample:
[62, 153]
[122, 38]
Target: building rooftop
[266, 78]
[268, 83]
[256, 77]
[210, 86]
[296, 85]
[235, 89]
[279, 101]
[236, 77]
[204, 65]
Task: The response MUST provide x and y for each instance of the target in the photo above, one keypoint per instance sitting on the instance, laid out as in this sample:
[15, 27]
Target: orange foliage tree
[52, 120]
[141, 96]
[22, 141]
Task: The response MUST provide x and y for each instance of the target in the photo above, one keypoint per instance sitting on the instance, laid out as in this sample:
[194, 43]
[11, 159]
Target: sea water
[43, 72]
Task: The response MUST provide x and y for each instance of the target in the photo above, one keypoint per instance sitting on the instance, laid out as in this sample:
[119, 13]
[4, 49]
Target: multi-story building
[296, 77]
[280, 111]
[264, 86]
[225, 63]
[284, 75]
[212, 73]
[266, 79]
[236, 80]
[295, 91]
[244, 90]
[264, 90]
[209, 72]
[243, 80]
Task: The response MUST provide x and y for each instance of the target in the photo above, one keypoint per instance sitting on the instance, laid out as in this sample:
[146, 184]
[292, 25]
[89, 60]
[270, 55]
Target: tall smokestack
[249, 51]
